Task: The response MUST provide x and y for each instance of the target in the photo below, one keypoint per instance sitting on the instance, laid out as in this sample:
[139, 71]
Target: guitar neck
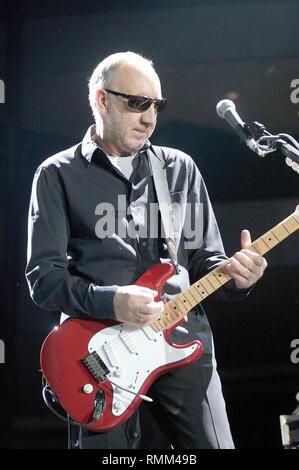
[177, 308]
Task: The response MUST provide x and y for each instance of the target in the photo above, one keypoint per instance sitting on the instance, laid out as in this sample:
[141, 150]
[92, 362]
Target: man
[75, 267]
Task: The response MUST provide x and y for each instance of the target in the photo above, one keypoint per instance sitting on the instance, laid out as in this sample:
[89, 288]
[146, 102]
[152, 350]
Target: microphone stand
[267, 143]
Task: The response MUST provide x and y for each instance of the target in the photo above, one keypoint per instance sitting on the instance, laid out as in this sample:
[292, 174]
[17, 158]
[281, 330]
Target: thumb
[245, 239]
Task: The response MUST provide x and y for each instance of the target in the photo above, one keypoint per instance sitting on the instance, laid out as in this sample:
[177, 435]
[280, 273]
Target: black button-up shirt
[71, 267]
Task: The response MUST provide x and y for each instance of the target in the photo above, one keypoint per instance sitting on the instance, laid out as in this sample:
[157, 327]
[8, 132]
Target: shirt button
[144, 243]
[137, 226]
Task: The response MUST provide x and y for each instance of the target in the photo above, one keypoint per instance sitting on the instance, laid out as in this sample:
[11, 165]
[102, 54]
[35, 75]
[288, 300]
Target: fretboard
[177, 308]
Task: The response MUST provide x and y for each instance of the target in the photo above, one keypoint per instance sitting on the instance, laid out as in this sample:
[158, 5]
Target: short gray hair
[104, 74]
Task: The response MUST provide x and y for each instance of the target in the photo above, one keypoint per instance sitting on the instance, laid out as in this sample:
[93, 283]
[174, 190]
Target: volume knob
[118, 373]
[88, 388]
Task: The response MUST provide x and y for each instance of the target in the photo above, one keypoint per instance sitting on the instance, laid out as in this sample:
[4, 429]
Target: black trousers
[188, 412]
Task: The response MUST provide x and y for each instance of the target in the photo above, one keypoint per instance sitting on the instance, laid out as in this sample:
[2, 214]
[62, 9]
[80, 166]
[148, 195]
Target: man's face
[125, 130]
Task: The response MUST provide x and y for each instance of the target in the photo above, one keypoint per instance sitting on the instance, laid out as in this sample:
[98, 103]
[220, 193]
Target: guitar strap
[158, 168]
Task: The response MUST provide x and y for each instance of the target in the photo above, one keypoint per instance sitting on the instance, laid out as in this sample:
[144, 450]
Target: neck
[106, 146]
[98, 138]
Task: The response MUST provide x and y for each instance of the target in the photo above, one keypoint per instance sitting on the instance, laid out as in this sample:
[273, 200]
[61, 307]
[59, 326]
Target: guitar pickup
[110, 354]
[127, 340]
[96, 366]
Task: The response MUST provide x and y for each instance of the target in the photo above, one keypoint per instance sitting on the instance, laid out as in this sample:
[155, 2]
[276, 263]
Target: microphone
[226, 109]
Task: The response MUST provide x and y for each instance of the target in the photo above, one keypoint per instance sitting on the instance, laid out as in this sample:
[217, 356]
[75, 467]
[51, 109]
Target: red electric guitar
[101, 370]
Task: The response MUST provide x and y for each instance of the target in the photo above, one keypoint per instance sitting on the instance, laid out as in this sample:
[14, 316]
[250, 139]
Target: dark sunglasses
[141, 103]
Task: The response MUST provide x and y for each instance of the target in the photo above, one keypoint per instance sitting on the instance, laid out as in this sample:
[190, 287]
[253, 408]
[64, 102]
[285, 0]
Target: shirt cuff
[104, 296]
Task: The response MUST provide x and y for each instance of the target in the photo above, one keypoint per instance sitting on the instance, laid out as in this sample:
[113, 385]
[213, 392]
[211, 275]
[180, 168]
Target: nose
[149, 116]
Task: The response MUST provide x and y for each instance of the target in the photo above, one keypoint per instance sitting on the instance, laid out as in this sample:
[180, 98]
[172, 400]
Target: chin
[135, 147]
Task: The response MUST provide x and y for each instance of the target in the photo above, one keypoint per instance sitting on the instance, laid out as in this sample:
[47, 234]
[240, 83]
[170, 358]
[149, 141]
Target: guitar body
[84, 357]
[98, 369]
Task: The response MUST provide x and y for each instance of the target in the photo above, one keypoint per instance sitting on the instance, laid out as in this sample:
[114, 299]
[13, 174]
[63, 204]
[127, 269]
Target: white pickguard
[132, 354]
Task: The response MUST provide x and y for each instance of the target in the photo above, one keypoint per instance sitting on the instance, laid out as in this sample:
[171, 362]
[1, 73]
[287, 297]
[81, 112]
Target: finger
[245, 239]
[236, 268]
[251, 260]
[245, 276]
[147, 319]
[245, 262]
[240, 281]
[153, 308]
[258, 259]
[241, 273]
[146, 290]
[137, 300]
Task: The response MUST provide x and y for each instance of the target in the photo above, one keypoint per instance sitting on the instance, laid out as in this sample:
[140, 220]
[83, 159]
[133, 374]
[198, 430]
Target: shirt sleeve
[210, 252]
[51, 285]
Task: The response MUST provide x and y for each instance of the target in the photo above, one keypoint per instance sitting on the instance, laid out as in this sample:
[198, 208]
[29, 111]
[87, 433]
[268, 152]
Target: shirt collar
[89, 146]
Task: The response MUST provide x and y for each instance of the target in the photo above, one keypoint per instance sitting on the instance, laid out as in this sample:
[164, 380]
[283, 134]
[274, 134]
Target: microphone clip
[267, 143]
[256, 130]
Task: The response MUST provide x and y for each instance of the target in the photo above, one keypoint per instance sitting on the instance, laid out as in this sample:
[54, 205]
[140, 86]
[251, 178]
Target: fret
[197, 290]
[265, 241]
[175, 312]
[273, 233]
[223, 270]
[185, 300]
[270, 240]
[169, 311]
[156, 327]
[196, 296]
[271, 236]
[253, 248]
[280, 232]
[176, 309]
[206, 287]
[167, 317]
[161, 322]
[200, 290]
[182, 303]
[221, 276]
[213, 280]
[291, 224]
[260, 246]
[287, 229]
[167, 321]
[192, 301]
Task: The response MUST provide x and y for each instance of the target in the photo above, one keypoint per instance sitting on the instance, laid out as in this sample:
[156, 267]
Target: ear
[101, 101]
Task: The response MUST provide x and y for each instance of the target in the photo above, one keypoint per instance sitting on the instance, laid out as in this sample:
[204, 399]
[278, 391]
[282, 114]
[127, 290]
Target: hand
[136, 305]
[246, 267]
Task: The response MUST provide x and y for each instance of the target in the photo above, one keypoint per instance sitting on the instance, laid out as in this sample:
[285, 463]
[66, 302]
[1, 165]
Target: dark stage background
[204, 51]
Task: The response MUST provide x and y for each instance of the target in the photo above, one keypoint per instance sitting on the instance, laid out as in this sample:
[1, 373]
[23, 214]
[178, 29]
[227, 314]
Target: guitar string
[117, 344]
